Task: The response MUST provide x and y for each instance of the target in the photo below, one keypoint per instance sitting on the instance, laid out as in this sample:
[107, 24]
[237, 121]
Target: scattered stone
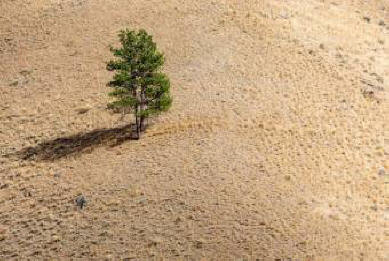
[80, 201]
[381, 171]
[134, 191]
[14, 83]
[25, 72]
[155, 241]
[128, 258]
[367, 19]
[380, 79]
[199, 244]
[142, 200]
[2, 230]
[4, 186]
[321, 46]
[381, 23]
[284, 14]
[55, 238]
[334, 216]
[83, 110]
[386, 214]
[57, 175]
[178, 220]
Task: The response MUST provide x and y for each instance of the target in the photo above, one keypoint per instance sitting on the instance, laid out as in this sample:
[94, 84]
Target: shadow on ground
[78, 143]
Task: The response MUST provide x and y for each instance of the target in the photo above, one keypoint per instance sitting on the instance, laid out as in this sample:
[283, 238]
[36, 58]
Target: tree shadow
[76, 144]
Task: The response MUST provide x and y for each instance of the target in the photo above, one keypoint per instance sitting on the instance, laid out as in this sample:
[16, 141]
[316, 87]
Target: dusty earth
[274, 148]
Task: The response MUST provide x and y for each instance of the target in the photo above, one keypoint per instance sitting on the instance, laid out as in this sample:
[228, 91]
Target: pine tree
[138, 83]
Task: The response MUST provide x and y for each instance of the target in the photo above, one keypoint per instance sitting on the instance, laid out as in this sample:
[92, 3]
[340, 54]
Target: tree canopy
[138, 83]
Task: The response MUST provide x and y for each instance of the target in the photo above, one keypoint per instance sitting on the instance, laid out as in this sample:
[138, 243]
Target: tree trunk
[143, 107]
[143, 123]
[137, 121]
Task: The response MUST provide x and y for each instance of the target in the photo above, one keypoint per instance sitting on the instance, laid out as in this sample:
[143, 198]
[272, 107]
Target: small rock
[381, 171]
[155, 241]
[14, 83]
[367, 19]
[57, 175]
[386, 214]
[142, 200]
[284, 15]
[199, 244]
[50, 217]
[381, 23]
[80, 201]
[178, 220]
[25, 72]
[4, 186]
[334, 216]
[83, 110]
[55, 238]
[368, 93]
[2, 230]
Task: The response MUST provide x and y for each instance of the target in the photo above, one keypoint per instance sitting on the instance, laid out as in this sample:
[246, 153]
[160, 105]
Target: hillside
[274, 148]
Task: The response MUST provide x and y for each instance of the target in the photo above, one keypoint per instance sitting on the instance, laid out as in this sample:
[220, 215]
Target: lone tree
[138, 83]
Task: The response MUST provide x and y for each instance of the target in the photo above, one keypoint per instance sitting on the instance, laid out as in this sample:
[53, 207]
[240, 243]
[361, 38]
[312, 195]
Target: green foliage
[138, 82]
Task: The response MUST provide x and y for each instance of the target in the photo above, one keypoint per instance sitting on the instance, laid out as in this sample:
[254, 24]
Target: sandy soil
[274, 148]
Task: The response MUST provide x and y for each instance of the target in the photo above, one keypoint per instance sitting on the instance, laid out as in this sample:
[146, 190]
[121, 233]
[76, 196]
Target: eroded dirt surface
[274, 148]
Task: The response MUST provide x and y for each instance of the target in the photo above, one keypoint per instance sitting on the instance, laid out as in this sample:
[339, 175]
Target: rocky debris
[284, 14]
[155, 241]
[382, 172]
[21, 79]
[142, 200]
[81, 201]
[368, 83]
[199, 244]
[83, 110]
[2, 233]
[14, 83]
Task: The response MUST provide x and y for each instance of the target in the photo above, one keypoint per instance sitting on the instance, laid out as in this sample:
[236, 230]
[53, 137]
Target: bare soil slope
[274, 148]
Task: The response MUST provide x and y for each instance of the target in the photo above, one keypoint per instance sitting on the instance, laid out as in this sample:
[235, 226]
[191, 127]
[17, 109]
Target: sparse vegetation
[139, 85]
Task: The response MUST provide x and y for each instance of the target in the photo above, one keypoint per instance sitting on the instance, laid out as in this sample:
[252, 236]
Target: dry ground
[274, 148]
